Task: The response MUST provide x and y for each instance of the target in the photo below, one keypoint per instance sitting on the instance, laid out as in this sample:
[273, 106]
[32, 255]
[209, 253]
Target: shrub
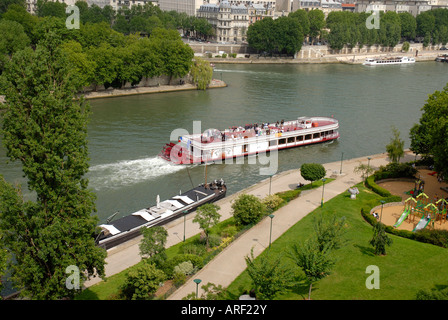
[395, 170]
[248, 209]
[185, 268]
[370, 183]
[168, 266]
[214, 240]
[272, 202]
[224, 55]
[142, 282]
[436, 237]
[229, 231]
[179, 279]
[289, 195]
[312, 171]
[192, 248]
[406, 46]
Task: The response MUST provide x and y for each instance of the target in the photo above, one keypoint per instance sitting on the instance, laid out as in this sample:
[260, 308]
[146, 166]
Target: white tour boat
[388, 60]
[214, 145]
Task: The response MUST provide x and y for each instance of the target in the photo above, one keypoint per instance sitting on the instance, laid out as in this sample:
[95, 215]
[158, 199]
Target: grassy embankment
[408, 266]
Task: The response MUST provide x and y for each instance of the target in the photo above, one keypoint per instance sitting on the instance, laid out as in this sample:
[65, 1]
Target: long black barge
[126, 228]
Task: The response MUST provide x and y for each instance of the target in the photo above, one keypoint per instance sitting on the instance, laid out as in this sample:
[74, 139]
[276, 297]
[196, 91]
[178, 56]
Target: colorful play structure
[421, 208]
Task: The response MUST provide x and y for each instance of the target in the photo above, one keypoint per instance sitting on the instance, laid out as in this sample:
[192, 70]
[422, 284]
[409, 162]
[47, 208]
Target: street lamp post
[382, 204]
[185, 214]
[197, 281]
[323, 188]
[342, 156]
[270, 233]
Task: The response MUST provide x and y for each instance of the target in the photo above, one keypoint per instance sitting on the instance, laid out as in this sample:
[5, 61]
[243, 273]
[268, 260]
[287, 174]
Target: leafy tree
[153, 242]
[202, 73]
[395, 148]
[339, 35]
[269, 275]
[142, 282]
[288, 35]
[260, 36]
[364, 169]
[389, 34]
[46, 129]
[13, 37]
[302, 17]
[430, 135]
[107, 63]
[79, 60]
[46, 8]
[247, 209]
[408, 25]
[19, 14]
[210, 291]
[425, 23]
[283, 35]
[312, 171]
[175, 56]
[207, 216]
[380, 239]
[4, 4]
[317, 22]
[315, 262]
[329, 232]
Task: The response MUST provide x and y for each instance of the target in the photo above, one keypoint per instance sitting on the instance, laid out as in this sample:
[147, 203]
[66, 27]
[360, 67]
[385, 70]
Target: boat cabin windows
[291, 139]
[316, 135]
[299, 138]
[282, 141]
[308, 137]
[272, 143]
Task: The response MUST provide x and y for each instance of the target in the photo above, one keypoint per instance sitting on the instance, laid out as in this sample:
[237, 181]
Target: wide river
[127, 133]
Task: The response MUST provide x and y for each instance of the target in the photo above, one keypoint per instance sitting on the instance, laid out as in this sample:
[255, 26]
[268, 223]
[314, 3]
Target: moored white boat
[388, 61]
[126, 228]
[214, 145]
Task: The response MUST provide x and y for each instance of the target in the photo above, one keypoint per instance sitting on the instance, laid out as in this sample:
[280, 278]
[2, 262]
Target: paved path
[227, 265]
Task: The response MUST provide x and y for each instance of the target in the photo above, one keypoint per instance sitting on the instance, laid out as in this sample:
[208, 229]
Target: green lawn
[408, 266]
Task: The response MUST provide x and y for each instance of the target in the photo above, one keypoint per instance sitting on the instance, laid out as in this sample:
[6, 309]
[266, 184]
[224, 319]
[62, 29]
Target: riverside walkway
[229, 263]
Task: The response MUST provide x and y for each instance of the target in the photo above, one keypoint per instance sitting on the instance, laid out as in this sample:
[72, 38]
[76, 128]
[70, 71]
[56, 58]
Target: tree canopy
[281, 36]
[45, 129]
[429, 137]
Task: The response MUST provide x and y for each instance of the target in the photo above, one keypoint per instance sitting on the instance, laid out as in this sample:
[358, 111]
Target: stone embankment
[313, 54]
[110, 93]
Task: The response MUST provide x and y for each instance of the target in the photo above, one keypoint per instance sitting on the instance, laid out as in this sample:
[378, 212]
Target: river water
[127, 133]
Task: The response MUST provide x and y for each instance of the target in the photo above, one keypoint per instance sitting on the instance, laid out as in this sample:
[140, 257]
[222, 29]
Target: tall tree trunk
[309, 292]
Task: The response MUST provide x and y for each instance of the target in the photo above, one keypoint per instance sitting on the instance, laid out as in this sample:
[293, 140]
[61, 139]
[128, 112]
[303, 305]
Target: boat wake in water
[129, 172]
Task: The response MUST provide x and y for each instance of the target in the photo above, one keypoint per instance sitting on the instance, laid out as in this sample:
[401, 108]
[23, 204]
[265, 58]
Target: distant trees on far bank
[97, 51]
[345, 28]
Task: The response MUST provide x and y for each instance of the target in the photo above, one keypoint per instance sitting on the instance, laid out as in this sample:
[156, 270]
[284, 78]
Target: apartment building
[188, 6]
[231, 21]
[414, 7]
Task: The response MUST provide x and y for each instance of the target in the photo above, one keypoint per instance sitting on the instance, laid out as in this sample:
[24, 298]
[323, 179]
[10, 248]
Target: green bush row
[371, 184]
[395, 170]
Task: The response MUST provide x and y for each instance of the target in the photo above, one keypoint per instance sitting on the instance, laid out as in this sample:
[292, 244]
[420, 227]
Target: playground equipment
[430, 212]
[409, 206]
